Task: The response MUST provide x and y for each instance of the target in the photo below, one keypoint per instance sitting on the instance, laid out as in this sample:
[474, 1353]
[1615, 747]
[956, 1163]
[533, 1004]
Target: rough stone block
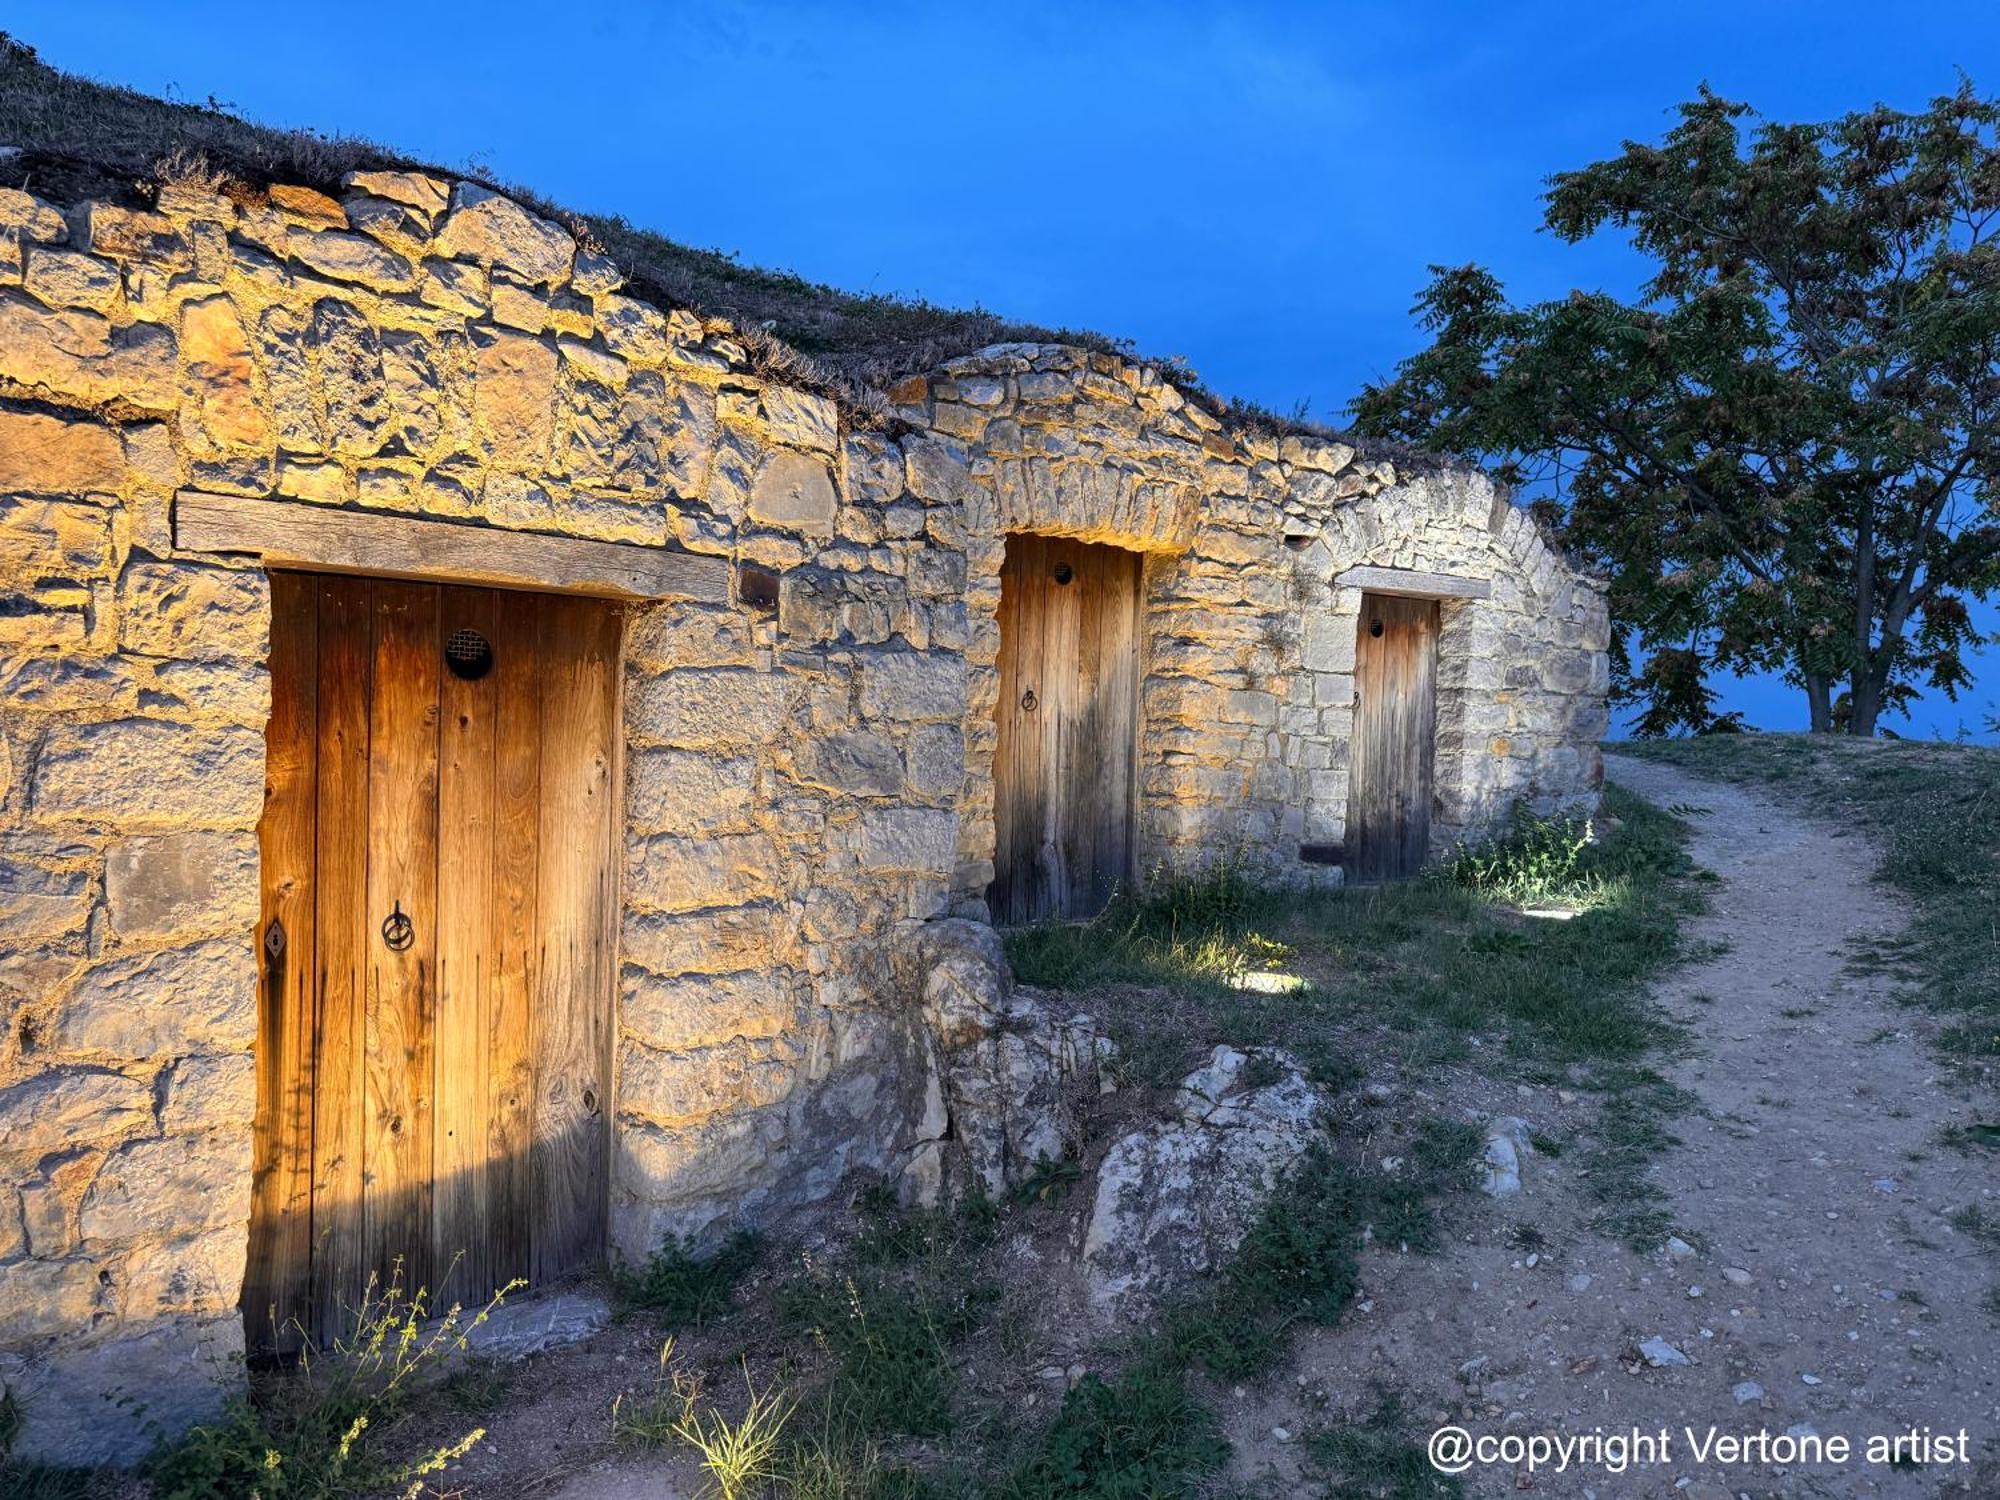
[69, 278]
[495, 231]
[795, 492]
[194, 613]
[700, 1010]
[72, 352]
[684, 791]
[170, 1187]
[712, 709]
[207, 1093]
[672, 1088]
[513, 397]
[140, 773]
[910, 685]
[686, 874]
[909, 838]
[199, 998]
[69, 1107]
[41, 1298]
[106, 1400]
[45, 455]
[856, 763]
[709, 942]
[49, 545]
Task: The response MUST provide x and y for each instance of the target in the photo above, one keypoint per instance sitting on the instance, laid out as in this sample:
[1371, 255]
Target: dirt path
[1829, 1291]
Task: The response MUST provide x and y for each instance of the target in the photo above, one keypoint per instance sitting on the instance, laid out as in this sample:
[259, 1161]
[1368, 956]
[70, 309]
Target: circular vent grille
[469, 655]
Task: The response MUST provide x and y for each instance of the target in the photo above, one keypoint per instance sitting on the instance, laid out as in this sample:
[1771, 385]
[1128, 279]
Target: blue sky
[1256, 187]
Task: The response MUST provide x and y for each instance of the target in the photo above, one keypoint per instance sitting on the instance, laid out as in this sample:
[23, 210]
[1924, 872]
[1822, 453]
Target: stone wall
[1247, 702]
[808, 783]
[431, 350]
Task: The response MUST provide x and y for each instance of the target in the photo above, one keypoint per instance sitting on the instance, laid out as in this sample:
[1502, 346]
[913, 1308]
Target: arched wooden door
[1395, 726]
[437, 945]
[1064, 771]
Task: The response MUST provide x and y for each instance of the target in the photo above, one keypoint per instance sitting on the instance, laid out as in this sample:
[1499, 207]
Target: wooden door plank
[278, 1276]
[577, 900]
[510, 1038]
[346, 666]
[466, 944]
[1080, 604]
[402, 873]
[1060, 643]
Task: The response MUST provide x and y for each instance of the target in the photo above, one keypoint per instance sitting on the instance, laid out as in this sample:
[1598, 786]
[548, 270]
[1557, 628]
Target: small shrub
[683, 1289]
[1538, 859]
[315, 1434]
[739, 1454]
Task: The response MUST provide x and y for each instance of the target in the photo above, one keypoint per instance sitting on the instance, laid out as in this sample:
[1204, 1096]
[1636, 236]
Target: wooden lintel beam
[1414, 583]
[289, 533]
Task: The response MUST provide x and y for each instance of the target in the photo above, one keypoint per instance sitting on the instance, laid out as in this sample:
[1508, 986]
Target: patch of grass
[1934, 811]
[682, 1288]
[1980, 1135]
[1982, 1228]
[1142, 1436]
[1377, 1458]
[887, 1321]
[1300, 1261]
[1631, 1131]
[1426, 969]
[318, 1432]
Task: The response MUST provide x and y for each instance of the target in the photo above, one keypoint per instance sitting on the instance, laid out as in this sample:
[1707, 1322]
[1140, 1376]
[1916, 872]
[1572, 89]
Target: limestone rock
[1507, 1142]
[163, 1004]
[140, 773]
[496, 231]
[45, 455]
[170, 1186]
[74, 352]
[193, 613]
[796, 492]
[1175, 1198]
[513, 397]
[1013, 1073]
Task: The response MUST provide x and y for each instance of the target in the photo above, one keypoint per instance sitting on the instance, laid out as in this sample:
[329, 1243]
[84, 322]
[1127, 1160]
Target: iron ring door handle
[398, 931]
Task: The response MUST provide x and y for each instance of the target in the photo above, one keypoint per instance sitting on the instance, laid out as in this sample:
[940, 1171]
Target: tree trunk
[1865, 701]
[1819, 704]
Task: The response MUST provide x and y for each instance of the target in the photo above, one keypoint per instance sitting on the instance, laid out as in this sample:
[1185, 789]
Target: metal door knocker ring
[398, 931]
[1029, 702]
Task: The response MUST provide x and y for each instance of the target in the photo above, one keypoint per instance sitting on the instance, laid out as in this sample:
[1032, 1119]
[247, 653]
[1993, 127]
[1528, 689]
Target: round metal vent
[469, 655]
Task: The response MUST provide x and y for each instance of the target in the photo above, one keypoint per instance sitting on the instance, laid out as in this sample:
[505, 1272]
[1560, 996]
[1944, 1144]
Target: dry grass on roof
[74, 138]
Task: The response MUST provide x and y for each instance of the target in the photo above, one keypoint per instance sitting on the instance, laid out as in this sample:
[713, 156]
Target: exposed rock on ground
[1174, 1198]
[1013, 1074]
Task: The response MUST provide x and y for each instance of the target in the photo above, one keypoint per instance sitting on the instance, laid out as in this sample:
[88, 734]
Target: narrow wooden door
[1063, 772]
[437, 941]
[1395, 709]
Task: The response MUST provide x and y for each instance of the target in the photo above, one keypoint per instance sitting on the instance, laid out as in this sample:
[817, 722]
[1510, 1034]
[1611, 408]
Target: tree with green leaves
[1783, 453]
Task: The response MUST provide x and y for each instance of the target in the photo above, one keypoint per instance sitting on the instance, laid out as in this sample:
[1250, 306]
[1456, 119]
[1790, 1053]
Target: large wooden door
[437, 941]
[1395, 710]
[1063, 772]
